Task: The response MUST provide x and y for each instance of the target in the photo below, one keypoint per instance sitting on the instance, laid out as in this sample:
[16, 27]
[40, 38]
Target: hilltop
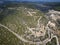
[26, 21]
[16, 19]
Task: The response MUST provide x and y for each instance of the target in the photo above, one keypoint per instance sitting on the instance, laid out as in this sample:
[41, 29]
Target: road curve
[18, 36]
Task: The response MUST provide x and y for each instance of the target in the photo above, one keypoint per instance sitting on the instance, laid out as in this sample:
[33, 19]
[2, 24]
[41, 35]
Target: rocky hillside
[54, 17]
[16, 18]
[26, 21]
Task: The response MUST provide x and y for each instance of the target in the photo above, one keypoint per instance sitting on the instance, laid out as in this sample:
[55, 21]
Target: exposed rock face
[54, 17]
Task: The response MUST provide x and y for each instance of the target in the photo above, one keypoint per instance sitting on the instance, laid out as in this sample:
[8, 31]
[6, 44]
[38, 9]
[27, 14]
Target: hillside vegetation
[15, 19]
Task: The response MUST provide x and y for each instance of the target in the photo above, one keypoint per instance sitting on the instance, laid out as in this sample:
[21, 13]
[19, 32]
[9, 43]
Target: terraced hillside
[25, 25]
[16, 19]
